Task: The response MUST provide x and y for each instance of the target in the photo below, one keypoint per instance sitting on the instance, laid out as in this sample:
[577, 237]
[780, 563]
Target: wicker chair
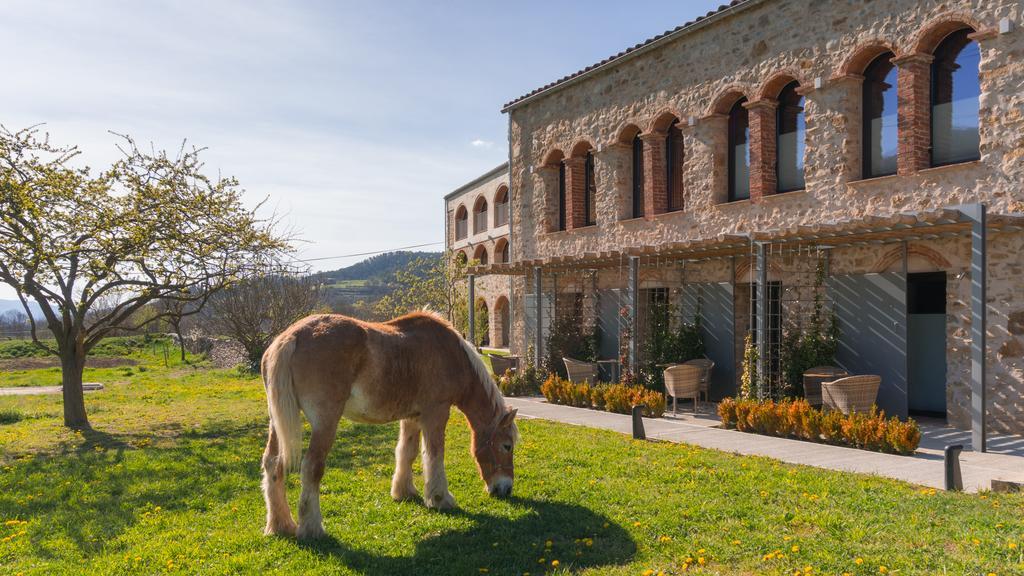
[813, 379]
[502, 364]
[851, 394]
[683, 381]
[580, 371]
[705, 380]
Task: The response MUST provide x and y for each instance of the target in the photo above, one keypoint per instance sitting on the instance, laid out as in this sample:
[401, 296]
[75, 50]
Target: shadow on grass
[468, 551]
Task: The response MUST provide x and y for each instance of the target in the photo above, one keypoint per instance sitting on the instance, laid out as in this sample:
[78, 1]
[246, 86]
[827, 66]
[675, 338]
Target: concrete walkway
[35, 390]
[924, 468]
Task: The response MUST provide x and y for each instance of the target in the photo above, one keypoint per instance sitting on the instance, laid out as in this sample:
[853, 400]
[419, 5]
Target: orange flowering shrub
[797, 419]
[618, 398]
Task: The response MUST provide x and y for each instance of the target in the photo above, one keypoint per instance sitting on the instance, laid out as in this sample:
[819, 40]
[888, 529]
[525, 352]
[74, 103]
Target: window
[739, 152]
[789, 140]
[502, 252]
[461, 223]
[480, 216]
[955, 93]
[638, 177]
[589, 191]
[674, 167]
[561, 195]
[501, 207]
[481, 256]
[880, 118]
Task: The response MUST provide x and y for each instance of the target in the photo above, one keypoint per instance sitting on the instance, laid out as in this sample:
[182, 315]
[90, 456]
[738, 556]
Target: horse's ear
[507, 419]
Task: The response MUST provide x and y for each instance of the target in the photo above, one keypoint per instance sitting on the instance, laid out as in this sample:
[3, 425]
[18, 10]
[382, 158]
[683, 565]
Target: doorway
[926, 344]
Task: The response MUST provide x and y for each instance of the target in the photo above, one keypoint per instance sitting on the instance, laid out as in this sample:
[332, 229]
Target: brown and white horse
[412, 369]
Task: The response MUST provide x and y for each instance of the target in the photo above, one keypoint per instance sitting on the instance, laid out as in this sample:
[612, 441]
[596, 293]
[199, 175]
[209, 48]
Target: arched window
[481, 255]
[561, 195]
[480, 216]
[789, 140]
[955, 94]
[638, 176]
[501, 207]
[880, 119]
[460, 258]
[589, 191]
[739, 152]
[674, 166]
[501, 252]
[461, 223]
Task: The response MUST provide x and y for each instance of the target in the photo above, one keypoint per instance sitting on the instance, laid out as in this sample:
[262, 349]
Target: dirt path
[34, 390]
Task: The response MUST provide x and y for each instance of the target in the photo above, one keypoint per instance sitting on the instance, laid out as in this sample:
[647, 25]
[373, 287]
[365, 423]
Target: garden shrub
[797, 419]
[525, 382]
[10, 416]
[618, 398]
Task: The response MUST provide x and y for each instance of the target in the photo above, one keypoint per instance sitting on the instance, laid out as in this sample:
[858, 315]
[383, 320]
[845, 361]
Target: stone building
[775, 150]
[477, 232]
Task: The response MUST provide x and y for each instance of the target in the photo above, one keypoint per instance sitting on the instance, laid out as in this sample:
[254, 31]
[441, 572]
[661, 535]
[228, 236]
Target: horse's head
[493, 448]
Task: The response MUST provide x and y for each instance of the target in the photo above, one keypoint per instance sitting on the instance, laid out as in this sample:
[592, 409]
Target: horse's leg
[311, 524]
[402, 487]
[435, 485]
[279, 516]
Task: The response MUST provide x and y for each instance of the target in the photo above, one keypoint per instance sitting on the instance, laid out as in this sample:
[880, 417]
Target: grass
[169, 483]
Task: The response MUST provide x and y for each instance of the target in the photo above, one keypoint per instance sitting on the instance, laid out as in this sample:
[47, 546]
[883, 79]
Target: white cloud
[478, 143]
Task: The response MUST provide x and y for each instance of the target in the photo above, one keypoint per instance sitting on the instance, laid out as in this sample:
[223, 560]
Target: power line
[308, 260]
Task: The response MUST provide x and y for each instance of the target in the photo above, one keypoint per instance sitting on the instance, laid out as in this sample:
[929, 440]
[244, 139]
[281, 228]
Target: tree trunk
[72, 365]
[181, 341]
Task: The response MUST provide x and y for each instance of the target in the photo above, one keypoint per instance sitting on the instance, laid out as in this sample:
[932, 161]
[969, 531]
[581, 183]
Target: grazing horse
[412, 369]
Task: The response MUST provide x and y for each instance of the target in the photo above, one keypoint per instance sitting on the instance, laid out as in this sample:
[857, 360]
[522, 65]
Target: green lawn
[169, 482]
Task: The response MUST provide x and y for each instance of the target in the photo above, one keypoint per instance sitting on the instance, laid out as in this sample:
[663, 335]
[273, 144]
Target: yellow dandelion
[795, 548]
[735, 542]
[540, 561]
[701, 561]
[555, 563]
[588, 541]
[858, 561]
[883, 570]
[484, 570]
[647, 572]
[637, 524]
[975, 541]
[548, 544]
[1012, 545]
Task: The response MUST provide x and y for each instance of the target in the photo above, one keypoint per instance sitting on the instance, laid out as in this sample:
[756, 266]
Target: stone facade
[751, 51]
[489, 240]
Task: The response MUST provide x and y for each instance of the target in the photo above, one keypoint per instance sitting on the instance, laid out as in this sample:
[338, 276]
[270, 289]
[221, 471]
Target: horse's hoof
[280, 529]
[441, 501]
[311, 533]
[405, 496]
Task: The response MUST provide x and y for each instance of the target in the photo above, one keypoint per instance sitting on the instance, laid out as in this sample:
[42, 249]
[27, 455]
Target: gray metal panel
[872, 312]
[718, 325]
[609, 304]
[926, 362]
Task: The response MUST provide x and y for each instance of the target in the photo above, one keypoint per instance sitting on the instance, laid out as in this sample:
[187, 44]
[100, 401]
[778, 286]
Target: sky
[351, 119]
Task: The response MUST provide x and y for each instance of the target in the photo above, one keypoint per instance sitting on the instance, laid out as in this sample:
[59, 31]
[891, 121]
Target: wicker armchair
[683, 381]
[580, 371]
[705, 380]
[851, 394]
[502, 364]
[813, 379]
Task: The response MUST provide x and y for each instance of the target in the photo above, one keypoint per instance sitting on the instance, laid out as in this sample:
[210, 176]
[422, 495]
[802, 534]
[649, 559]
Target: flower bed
[797, 419]
[619, 398]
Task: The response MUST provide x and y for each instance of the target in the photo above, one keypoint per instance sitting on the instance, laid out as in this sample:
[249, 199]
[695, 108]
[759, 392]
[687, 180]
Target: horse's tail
[281, 401]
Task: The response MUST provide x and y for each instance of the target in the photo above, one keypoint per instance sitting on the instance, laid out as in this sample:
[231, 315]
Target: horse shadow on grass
[580, 539]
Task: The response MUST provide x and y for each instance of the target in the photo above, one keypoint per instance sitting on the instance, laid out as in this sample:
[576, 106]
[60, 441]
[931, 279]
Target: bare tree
[92, 251]
[257, 309]
[175, 312]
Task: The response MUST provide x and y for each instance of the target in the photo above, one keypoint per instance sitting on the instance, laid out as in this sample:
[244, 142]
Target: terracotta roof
[627, 51]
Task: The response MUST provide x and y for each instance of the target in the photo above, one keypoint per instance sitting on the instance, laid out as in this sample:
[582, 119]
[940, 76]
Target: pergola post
[538, 336]
[634, 299]
[977, 214]
[761, 318]
[471, 279]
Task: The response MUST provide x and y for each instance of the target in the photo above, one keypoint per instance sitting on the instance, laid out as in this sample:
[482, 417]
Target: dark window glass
[589, 191]
[880, 120]
[955, 94]
[739, 152]
[638, 176]
[561, 195]
[501, 209]
[789, 142]
[461, 224]
[674, 167]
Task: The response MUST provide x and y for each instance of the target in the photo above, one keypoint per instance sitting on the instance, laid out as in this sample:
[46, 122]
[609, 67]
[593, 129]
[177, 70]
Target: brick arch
[745, 269]
[500, 197]
[626, 134]
[770, 88]
[727, 97]
[863, 55]
[480, 254]
[580, 149]
[894, 255]
[553, 157]
[935, 30]
[499, 248]
[661, 121]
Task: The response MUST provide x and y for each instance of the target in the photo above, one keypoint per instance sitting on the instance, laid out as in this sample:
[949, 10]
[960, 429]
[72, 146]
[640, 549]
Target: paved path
[29, 390]
[924, 468]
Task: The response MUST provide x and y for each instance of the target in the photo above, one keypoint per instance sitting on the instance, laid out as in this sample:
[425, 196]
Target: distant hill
[15, 305]
[353, 290]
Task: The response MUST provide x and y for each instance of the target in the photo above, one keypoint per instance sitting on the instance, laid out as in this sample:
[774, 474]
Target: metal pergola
[967, 220]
